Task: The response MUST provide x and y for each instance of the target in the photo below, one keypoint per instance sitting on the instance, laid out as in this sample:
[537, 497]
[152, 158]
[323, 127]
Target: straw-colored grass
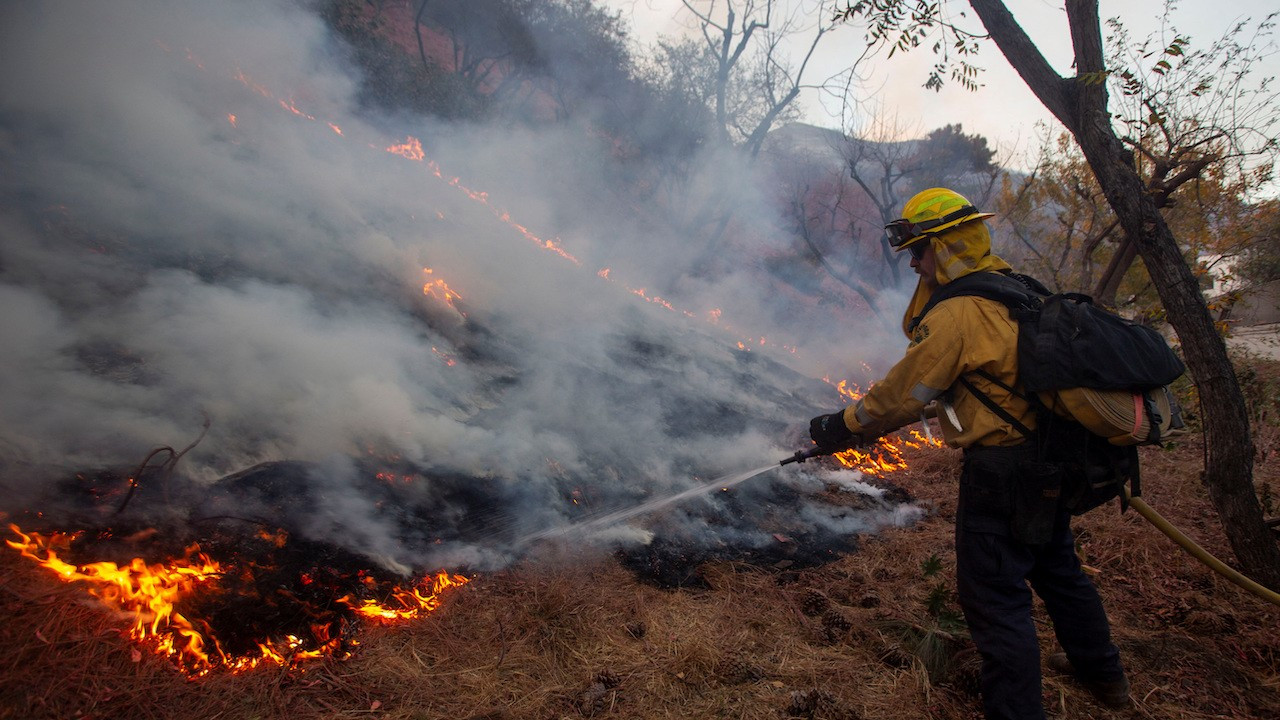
[566, 636]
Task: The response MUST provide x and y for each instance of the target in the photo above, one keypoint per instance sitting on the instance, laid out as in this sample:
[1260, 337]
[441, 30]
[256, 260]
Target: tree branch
[1050, 87]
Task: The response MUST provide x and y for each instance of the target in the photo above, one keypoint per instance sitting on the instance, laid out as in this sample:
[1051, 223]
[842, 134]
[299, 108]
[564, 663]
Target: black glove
[829, 431]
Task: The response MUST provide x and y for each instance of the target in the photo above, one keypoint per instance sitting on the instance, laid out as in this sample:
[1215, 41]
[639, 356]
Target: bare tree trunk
[417, 30]
[1109, 283]
[868, 293]
[1082, 108]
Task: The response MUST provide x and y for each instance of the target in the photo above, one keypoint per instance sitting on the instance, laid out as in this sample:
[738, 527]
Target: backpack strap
[1020, 293]
[991, 405]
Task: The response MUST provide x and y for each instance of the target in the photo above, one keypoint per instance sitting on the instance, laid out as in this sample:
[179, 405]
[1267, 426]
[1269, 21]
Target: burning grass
[868, 635]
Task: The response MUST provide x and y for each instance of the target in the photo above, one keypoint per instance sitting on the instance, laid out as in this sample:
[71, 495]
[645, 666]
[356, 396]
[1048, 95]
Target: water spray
[613, 518]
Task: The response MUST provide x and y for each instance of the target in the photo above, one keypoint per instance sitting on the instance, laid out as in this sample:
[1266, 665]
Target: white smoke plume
[198, 222]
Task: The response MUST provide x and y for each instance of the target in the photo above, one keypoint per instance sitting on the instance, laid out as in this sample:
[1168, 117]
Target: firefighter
[947, 239]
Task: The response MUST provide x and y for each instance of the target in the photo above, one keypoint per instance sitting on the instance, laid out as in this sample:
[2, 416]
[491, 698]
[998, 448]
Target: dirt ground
[869, 636]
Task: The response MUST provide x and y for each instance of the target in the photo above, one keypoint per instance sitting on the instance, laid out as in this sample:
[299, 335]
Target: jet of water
[610, 519]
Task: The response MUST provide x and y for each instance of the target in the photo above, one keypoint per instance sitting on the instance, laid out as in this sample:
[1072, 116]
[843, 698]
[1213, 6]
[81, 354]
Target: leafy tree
[1259, 254]
[948, 157]
[1067, 235]
[1188, 113]
[1082, 104]
[1058, 216]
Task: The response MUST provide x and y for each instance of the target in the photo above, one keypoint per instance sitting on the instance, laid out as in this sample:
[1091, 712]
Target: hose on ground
[1198, 552]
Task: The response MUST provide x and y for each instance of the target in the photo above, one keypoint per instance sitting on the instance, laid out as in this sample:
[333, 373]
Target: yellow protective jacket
[958, 336]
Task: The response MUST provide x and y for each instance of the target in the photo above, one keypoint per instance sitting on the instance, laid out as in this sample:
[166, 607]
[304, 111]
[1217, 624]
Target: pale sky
[1003, 110]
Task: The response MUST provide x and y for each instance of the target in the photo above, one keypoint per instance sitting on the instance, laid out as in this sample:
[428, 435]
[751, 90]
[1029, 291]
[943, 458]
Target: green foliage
[948, 157]
[903, 25]
[1186, 106]
[1258, 261]
[931, 566]
[940, 637]
[938, 601]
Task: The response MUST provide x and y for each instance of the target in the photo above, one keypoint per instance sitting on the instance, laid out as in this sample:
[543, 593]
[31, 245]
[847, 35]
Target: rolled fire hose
[1198, 552]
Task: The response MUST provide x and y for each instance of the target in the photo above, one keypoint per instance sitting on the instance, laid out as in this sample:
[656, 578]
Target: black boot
[1111, 693]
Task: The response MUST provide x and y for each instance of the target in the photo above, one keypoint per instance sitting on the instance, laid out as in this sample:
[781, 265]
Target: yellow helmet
[930, 212]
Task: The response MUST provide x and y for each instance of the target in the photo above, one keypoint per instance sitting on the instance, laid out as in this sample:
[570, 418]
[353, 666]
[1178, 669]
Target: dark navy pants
[993, 571]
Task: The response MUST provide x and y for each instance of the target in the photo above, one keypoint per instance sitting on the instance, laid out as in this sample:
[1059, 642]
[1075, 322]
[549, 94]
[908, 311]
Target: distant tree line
[521, 61]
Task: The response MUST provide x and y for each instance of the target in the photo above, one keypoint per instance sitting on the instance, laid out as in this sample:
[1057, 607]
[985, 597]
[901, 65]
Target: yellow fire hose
[1198, 552]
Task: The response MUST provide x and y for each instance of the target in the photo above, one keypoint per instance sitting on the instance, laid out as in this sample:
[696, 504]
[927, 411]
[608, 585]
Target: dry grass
[563, 636]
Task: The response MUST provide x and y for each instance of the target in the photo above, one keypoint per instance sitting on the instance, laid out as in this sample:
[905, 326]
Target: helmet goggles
[901, 232]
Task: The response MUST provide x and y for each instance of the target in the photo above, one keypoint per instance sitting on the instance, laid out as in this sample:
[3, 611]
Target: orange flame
[259, 89]
[191, 58]
[848, 391]
[885, 456]
[150, 593]
[437, 288]
[445, 357]
[147, 592]
[411, 149]
[640, 292]
[288, 105]
[411, 603]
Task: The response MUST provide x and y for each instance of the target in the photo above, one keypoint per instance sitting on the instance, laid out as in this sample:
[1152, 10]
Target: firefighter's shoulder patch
[919, 334]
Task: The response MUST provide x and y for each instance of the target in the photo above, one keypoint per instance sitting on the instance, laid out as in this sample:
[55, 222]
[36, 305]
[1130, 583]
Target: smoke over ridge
[198, 222]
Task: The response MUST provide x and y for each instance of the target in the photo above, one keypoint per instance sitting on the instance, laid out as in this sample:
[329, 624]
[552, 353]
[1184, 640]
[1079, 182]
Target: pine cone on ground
[819, 705]
[813, 602]
[739, 670]
[835, 619]
[608, 678]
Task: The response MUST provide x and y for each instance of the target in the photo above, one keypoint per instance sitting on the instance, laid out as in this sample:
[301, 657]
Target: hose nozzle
[802, 455]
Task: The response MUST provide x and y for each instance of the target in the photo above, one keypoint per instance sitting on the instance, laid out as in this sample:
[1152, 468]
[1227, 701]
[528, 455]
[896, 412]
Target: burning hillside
[215, 578]
[401, 376]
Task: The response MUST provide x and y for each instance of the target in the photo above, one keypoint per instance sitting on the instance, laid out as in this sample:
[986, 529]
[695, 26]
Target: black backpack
[1068, 347]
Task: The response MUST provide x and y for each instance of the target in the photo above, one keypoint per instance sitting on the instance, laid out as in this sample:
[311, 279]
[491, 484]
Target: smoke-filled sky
[197, 225]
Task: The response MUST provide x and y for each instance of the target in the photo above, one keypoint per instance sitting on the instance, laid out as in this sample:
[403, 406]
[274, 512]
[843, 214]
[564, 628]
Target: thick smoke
[199, 226]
